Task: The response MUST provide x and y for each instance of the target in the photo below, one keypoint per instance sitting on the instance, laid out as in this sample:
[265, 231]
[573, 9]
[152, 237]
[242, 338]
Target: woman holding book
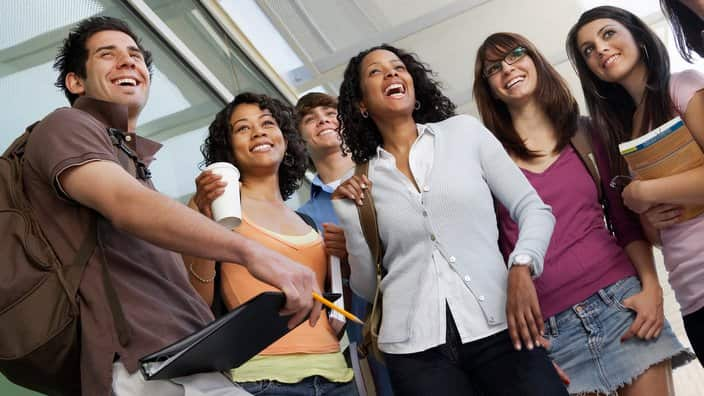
[624, 70]
[258, 135]
[443, 327]
[596, 289]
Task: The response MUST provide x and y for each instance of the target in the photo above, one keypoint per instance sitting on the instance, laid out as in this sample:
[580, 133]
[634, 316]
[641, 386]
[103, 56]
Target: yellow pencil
[335, 308]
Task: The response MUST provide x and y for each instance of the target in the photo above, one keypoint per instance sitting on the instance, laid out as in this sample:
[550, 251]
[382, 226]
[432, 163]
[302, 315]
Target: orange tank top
[238, 286]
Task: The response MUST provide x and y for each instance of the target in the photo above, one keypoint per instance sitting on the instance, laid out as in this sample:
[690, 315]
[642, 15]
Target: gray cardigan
[456, 216]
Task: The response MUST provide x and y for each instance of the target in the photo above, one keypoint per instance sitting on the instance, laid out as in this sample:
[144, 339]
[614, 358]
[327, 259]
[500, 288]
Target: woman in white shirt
[443, 325]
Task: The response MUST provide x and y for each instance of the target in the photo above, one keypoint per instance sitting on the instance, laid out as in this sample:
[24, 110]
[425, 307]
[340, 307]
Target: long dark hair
[687, 28]
[609, 104]
[218, 144]
[360, 136]
[552, 94]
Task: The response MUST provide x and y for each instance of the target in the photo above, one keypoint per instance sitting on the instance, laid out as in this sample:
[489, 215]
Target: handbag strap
[367, 219]
[582, 143]
[370, 229]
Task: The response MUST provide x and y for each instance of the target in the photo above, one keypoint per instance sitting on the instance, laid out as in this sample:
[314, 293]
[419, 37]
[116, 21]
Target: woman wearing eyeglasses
[443, 329]
[624, 69]
[599, 294]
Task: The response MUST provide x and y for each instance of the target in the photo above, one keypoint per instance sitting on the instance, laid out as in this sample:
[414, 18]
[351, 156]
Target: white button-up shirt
[428, 323]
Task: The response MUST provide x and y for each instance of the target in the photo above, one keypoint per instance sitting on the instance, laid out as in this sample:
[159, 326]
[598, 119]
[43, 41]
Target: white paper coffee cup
[226, 208]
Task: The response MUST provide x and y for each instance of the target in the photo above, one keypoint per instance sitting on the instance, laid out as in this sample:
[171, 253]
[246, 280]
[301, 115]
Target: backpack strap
[582, 143]
[309, 220]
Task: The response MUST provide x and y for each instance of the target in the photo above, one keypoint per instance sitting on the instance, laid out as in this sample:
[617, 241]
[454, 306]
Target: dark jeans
[311, 386]
[489, 367]
[694, 325]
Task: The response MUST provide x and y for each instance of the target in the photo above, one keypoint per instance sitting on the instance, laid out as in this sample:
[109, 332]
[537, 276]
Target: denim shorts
[586, 342]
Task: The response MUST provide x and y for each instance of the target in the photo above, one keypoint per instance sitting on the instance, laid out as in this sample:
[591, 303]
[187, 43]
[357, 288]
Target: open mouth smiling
[514, 81]
[395, 90]
[260, 148]
[126, 82]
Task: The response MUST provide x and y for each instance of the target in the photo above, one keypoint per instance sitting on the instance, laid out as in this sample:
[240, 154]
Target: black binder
[225, 343]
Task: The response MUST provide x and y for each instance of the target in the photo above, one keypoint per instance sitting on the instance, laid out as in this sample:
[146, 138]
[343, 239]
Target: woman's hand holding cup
[209, 186]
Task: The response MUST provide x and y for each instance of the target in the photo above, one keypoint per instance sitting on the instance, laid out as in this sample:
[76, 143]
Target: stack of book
[667, 150]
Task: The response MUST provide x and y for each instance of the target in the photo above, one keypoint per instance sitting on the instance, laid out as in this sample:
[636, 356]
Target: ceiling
[443, 33]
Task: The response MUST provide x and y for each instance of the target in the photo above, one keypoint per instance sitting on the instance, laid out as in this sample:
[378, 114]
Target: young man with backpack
[85, 171]
[316, 115]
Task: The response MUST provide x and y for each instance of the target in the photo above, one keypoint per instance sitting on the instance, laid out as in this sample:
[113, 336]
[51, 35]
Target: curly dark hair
[73, 54]
[218, 145]
[360, 136]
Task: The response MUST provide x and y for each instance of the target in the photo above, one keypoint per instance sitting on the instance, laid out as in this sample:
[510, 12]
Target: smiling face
[257, 141]
[115, 71]
[318, 129]
[387, 86]
[609, 50]
[513, 83]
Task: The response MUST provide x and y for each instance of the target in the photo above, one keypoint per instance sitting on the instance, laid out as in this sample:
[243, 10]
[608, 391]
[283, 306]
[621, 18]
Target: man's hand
[334, 237]
[525, 322]
[296, 281]
[650, 315]
[352, 189]
[208, 187]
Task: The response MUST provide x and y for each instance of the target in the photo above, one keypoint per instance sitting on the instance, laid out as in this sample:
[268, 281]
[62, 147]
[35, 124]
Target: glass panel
[196, 28]
[179, 101]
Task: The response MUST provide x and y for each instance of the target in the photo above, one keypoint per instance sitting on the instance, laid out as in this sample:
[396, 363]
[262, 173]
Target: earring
[645, 52]
[417, 106]
[364, 114]
[288, 159]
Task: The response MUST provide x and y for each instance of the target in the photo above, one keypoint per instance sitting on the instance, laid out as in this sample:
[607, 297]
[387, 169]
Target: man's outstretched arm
[105, 187]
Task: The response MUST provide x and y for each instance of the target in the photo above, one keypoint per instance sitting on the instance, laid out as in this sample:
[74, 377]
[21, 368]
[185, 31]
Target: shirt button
[452, 259]
[467, 278]
[432, 237]
[426, 188]
[579, 308]
[128, 138]
[491, 319]
[425, 213]
[481, 298]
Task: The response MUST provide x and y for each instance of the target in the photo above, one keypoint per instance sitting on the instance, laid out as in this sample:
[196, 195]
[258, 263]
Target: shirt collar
[318, 184]
[114, 115]
[421, 129]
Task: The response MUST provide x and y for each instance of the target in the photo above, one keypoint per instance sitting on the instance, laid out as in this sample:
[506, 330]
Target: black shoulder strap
[309, 220]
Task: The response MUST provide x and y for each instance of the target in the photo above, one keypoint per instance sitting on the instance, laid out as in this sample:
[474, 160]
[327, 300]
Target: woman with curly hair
[625, 74]
[443, 328]
[258, 135]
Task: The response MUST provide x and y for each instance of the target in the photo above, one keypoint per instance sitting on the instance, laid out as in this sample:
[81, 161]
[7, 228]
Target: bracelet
[202, 280]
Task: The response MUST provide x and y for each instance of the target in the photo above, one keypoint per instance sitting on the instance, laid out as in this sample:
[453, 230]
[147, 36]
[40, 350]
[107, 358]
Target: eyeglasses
[510, 58]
